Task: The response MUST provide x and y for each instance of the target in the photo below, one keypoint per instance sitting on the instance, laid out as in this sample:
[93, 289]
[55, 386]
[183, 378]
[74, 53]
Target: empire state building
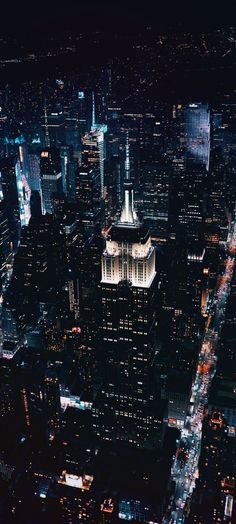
[127, 407]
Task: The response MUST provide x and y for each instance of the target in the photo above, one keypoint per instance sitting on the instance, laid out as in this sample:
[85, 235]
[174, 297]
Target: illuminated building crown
[129, 254]
[128, 214]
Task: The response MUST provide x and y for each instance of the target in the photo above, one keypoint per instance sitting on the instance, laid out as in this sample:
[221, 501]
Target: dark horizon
[107, 16]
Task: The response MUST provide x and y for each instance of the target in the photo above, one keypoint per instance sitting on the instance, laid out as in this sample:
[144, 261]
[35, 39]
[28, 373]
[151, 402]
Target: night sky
[27, 19]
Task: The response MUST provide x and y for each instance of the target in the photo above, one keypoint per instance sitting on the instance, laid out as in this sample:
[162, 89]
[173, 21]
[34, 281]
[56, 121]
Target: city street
[185, 474]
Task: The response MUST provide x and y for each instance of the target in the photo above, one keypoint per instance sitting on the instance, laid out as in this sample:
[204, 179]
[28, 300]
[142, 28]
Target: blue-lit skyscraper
[196, 131]
[23, 188]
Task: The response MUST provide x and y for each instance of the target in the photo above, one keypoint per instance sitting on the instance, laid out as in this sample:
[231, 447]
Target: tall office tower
[8, 399]
[114, 124]
[190, 219]
[69, 225]
[71, 179]
[27, 375]
[5, 245]
[88, 196]
[94, 147]
[91, 219]
[72, 237]
[216, 206]
[193, 288]
[66, 154]
[230, 181]
[23, 188]
[51, 176]
[10, 326]
[35, 204]
[127, 408]
[34, 178]
[188, 190]
[39, 266]
[218, 130]
[156, 198]
[177, 181]
[83, 116]
[72, 133]
[22, 291]
[103, 93]
[113, 194]
[52, 403]
[90, 277]
[9, 193]
[196, 131]
[54, 128]
[74, 297]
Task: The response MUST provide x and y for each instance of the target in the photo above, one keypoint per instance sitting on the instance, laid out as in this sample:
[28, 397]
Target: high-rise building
[54, 128]
[5, 244]
[34, 179]
[127, 407]
[23, 188]
[156, 198]
[51, 176]
[66, 154]
[72, 133]
[8, 188]
[216, 209]
[52, 403]
[88, 196]
[35, 204]
[196, 130]
[94, 148]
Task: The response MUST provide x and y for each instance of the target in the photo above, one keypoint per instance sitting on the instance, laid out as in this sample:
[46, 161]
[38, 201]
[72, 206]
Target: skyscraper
[88, 197]
[156, 198]
[51, 176]
[127, 406]
[93, 147]
[52, 403]
[5, 244]
[54, 128]
[23, 188]
[8, 189]
[197, 134]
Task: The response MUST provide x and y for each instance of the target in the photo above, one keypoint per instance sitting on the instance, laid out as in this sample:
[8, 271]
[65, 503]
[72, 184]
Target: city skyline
[117, 264]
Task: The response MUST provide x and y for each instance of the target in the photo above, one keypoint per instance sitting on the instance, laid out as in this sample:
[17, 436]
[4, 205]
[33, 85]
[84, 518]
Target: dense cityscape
[118, 276]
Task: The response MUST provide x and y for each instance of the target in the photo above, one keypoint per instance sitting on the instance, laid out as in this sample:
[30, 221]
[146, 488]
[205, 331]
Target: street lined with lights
[184, 475]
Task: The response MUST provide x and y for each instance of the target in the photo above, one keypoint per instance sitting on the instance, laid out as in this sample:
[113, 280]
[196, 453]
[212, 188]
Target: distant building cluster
[115, 215]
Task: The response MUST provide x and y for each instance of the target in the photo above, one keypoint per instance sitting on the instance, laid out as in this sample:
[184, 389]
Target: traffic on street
[185, 465]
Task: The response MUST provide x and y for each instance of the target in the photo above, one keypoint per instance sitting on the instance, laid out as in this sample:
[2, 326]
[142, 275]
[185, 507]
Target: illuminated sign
[76, 481]
[73, 480]
[76, 330]
[172, 421]
[24, 193]
[81, 95]
[228, 506]
[107, 506]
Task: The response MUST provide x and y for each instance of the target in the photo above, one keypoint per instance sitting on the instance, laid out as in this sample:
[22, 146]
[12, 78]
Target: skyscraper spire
[93, 110]
[127, 160]
[128, 213]
[47, 137]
